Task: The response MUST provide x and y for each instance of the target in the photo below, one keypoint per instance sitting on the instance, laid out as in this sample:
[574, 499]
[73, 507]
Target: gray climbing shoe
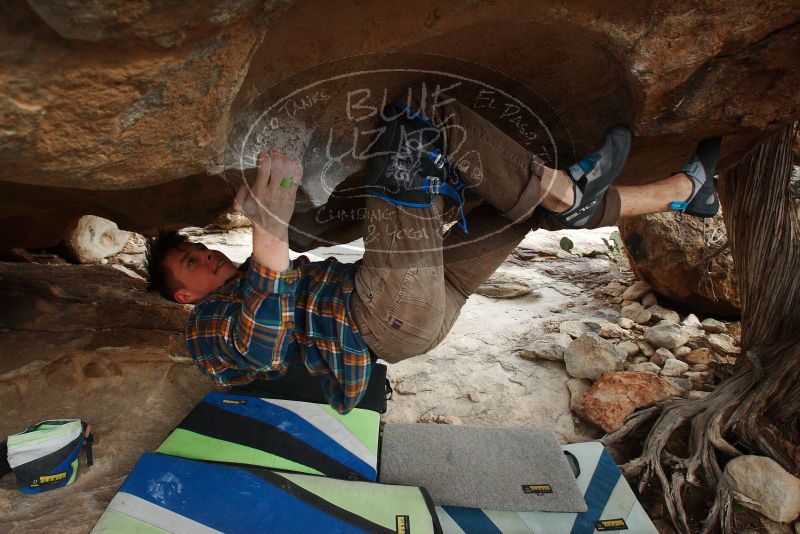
[703, 202]
[593, 175]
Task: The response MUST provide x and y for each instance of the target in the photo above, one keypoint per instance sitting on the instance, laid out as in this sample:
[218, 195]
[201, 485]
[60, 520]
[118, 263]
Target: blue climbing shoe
[703, 202]
[407, 165]
[593, 175]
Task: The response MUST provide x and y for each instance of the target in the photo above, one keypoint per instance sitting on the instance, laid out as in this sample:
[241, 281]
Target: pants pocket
[417, 312]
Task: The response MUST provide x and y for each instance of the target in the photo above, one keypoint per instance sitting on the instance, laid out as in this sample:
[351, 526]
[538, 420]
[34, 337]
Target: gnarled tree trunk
[758, 407]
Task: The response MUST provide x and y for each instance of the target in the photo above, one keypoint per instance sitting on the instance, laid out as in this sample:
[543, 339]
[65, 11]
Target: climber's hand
[269, 203]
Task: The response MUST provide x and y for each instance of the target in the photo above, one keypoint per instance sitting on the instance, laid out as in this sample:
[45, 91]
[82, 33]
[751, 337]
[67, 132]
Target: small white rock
[682, 351]
[674, 367]
[668, 335]
[665, 353]
[629, 347]
[663, 314]
[722, 343]
[626, 323]
[645, 367]
[713, 326]
[636, 291]
[590, 356]
[692, 321]
[773, 491]
[636, 313]
[646, 348]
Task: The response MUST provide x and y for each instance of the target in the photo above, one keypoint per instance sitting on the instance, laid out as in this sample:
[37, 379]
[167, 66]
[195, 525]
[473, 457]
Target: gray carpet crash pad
[519, 469]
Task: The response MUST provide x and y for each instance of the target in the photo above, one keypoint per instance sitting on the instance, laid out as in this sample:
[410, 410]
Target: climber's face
[197, 270]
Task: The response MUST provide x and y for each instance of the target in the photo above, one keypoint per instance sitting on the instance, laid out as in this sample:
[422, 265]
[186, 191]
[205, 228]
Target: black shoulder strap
[88, 440]
[5, 468]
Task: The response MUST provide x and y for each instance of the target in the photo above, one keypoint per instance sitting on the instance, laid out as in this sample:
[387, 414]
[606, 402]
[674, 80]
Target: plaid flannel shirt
[254, 325]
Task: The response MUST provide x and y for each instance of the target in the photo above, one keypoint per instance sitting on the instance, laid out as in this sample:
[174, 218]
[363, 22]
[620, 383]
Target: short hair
[156, 249]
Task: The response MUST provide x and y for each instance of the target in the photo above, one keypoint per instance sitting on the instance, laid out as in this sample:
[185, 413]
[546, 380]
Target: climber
[403, 297]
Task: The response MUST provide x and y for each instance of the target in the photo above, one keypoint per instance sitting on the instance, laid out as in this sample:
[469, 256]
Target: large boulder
[682, 260]
[132, 112]
[88, 342]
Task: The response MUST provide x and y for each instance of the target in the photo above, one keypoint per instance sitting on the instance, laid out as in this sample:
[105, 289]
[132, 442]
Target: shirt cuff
[265, 279]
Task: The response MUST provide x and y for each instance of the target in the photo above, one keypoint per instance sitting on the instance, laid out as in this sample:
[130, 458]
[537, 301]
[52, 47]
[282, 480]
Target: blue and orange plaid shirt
[255, 324]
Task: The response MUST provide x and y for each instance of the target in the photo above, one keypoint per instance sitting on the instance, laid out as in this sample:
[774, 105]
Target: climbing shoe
[592, 176]
[407, 165]
[703, 202]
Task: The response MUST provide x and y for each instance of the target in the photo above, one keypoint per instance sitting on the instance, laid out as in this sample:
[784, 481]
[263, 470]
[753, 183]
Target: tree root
[759, 404]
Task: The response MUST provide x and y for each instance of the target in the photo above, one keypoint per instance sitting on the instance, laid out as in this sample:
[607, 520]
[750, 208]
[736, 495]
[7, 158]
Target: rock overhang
[129, 114]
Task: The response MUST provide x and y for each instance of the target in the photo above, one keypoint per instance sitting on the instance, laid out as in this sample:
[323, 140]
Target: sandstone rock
[657, 359]
[625, 323]
[645, 367]
[700, 367]
[474, 396]
[629, 347]
[668, 254]
[639, 359]
[203, 70]
[722, 343]
[577, 388]
[680, 352]
[616, 395]
[667, 335]
[699, 357]
[646, 348]
[504, 286]
[636, 313]
[713, 326]
[649, 300]
[87, 341]
[770, 489]
[597, 326]
[665, 354]
[663, 314]
[636, 291]
[674, 367]
[589, 356]
[93, 239]
[547, 347]
[691, 321]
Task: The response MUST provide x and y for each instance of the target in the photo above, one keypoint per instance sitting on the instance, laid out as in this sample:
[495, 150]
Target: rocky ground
[556, 339]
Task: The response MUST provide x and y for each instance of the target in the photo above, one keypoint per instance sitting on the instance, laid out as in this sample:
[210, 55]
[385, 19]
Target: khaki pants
[412, 281]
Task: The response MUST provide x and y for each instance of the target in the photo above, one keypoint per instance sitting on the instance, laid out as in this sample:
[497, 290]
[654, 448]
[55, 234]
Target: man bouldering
[403, 297]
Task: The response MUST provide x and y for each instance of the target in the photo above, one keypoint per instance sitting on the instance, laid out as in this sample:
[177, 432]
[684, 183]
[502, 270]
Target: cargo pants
[413, 280]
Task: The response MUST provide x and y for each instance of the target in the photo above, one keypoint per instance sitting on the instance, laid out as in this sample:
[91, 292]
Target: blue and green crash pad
[279, 434]
[166, 494]
[612, 505]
